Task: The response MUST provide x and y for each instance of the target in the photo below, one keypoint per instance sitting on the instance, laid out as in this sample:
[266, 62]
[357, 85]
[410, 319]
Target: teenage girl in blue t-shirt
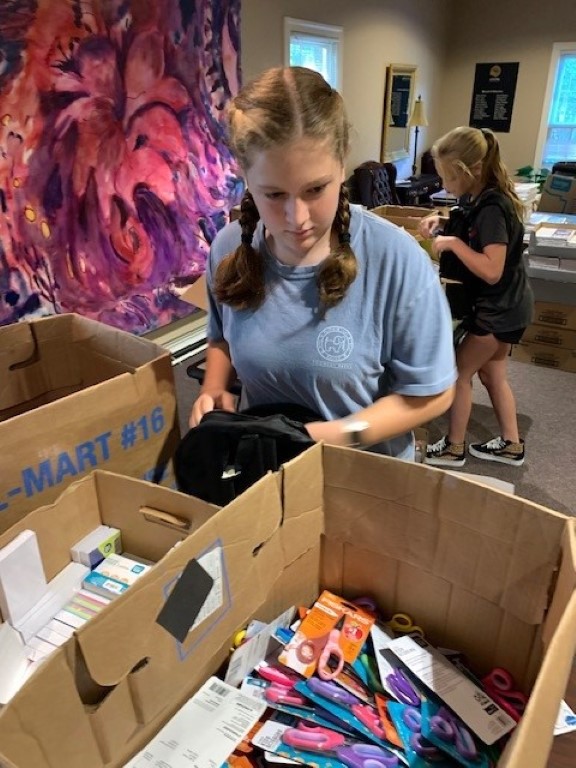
[313, 301]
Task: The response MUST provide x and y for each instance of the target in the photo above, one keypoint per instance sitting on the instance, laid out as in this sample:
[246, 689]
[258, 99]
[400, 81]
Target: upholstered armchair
[373, 184]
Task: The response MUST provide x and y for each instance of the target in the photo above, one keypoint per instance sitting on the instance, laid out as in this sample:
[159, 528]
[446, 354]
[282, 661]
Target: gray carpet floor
[547, 420]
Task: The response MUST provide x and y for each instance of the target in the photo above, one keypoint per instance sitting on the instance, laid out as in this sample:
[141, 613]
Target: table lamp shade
[418, 117]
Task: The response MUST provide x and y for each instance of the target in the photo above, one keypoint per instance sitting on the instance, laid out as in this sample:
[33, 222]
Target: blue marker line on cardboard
[183, 652]
[3, 506]
[14, 492]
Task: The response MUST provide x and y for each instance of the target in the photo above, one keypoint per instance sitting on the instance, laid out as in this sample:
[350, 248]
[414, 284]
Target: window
[316, 46]
[558, 131]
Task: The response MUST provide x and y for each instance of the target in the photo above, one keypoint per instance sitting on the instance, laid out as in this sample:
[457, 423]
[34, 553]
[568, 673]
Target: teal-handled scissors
[402, 624]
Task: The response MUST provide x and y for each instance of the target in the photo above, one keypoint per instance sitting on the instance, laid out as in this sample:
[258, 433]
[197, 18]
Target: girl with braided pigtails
[313, 301]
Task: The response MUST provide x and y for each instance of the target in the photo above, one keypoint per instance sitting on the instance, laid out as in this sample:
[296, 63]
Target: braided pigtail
[338, 271]
[239, 279]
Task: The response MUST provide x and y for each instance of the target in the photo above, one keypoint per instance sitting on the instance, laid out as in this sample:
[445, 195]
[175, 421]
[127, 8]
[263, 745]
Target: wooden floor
[563, 753]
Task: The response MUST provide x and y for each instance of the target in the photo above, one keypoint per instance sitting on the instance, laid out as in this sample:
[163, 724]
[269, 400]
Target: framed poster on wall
[493, 96]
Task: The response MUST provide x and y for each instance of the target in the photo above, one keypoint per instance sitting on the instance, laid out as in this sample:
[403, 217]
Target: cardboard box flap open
[49, 358]
[503, 553]
[30, 369]
[532, 739]
[246, 540]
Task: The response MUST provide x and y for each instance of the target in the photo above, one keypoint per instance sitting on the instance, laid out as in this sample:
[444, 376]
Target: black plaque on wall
[493, 96]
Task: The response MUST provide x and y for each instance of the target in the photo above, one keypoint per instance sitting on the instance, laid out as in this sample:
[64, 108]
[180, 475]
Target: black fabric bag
[227, 452]
[462, 295]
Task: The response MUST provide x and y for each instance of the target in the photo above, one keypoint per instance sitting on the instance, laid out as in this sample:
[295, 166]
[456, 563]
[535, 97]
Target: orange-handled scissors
[402, 624]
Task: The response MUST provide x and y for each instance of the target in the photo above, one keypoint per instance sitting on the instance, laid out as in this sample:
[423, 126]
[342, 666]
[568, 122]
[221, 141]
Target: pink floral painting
[114, 170]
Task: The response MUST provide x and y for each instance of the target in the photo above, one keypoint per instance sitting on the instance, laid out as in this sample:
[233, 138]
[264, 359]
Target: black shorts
[507, 337]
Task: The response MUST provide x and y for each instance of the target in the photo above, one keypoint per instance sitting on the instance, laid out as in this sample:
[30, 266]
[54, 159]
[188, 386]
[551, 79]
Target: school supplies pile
[343, 686]
[40, 615]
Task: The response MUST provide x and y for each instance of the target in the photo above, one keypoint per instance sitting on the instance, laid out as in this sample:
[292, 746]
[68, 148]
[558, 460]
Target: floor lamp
[417, 120]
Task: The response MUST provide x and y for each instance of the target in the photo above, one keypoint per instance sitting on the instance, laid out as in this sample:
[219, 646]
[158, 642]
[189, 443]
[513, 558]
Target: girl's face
[296, 189]
[456, 181]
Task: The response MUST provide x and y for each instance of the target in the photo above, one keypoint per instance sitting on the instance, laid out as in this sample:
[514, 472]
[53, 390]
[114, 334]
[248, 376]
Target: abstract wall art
[114, 170]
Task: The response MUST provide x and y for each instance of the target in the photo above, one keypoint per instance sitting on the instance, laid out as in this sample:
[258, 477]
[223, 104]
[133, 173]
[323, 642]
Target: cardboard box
[406, 216]
[76, 395]
[555, 315]
[555, 240]
[558, 194]
[196, 294]
[546, 334]
[545, 355]
[483, 571]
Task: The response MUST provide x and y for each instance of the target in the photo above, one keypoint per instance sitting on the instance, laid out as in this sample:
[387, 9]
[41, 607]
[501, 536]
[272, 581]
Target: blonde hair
[280, 106]
[464, 147]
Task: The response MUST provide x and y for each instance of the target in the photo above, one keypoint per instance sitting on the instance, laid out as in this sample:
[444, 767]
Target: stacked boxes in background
[551, 340]
[76, 395]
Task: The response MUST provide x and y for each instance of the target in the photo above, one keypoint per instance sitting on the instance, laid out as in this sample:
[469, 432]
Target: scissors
[500, 686]
[451, 730]
[276, 675]
[402, 689]
[331, 661]
[402, 624]
[365, 713]
[354, 755]
[422, 747]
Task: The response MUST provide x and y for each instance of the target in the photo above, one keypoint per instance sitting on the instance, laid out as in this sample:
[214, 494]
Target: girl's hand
[443, 243]
[209, 401]
[428, 225]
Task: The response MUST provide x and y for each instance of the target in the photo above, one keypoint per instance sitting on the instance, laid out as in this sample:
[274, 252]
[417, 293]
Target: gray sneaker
[443, 453]
[498, 449]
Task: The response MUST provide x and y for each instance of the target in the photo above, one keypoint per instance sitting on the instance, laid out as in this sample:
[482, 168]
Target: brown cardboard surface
[546, 334]
[558, 194]
[555, 315]
[78, 395]
[481, 570]
[545, 355]
[196, 294]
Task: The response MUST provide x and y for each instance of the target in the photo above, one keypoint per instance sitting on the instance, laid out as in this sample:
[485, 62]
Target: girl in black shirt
[488, 252]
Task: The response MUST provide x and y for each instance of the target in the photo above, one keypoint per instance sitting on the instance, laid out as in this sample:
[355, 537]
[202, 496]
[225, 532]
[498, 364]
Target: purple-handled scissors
[451, 730]
[402, 689]
[321, 740]
[332, 691]
[500, 686]
[421, 746]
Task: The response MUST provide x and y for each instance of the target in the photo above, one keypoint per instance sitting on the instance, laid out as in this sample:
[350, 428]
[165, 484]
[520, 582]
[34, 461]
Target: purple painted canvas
[114, 170]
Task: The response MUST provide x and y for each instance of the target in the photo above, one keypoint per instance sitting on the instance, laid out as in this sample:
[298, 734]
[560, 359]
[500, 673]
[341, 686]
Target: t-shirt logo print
[335, 344]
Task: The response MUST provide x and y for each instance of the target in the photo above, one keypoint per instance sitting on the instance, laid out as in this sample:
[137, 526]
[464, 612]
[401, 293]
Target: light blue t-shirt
[392, 332]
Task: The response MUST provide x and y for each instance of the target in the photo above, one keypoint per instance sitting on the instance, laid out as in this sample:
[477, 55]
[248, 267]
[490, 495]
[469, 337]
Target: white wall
[376, 33]
[445, 39]
[505, 30]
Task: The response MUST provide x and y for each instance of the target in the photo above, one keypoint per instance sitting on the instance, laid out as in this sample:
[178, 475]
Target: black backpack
[227, 452]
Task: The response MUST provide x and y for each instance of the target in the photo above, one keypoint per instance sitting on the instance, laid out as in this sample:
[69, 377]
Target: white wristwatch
[353, 430]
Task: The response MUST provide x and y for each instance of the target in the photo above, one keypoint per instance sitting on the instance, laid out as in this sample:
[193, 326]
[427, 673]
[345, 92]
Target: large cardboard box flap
[78, 395]
[558, 194]
[483, 571]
